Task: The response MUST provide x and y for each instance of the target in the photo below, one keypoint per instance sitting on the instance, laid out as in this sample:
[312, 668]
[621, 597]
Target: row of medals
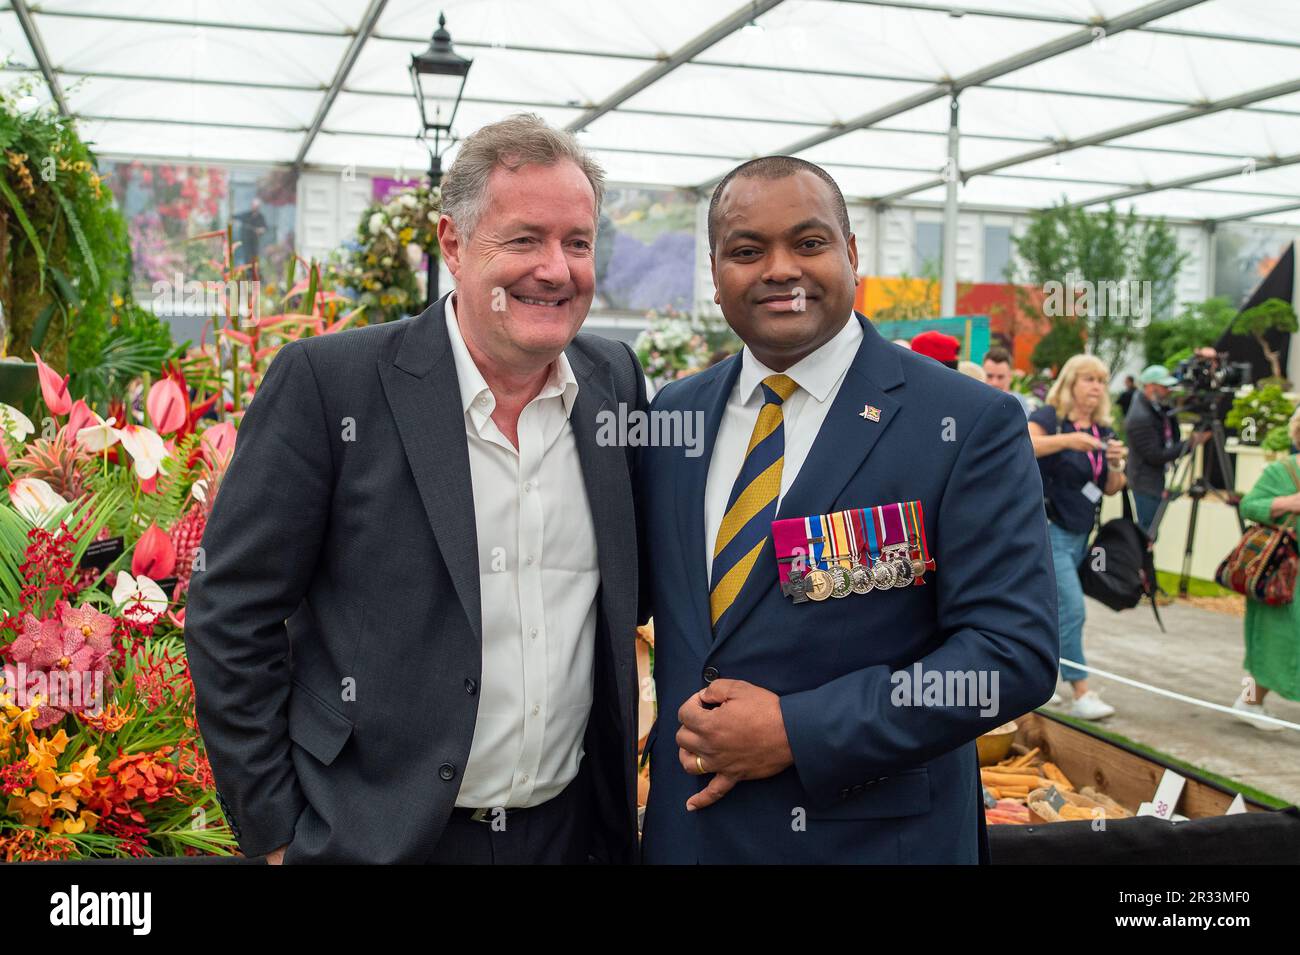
[896, 568]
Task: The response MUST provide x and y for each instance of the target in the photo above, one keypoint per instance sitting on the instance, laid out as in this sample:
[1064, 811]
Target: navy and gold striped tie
[752, 505]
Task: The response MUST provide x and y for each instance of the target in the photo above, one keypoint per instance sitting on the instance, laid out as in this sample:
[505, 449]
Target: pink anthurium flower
[219, 442]
[80, 417]
[166, 406]
[154, 555]
[146, 450]
[53, 388]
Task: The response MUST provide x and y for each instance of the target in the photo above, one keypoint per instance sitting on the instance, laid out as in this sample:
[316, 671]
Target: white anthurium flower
[139, 598]
[34, 499]
[98, 436]
[146, 449]
[200, 490]
[14, 423]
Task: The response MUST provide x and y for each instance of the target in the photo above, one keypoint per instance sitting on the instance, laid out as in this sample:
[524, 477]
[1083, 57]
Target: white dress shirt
[818, 376]
[538, 579]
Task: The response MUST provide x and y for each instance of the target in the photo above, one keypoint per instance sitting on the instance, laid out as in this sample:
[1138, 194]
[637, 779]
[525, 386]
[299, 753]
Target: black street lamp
[438, 74]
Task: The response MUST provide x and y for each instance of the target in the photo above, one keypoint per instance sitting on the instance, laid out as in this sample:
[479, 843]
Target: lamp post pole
[431, 285]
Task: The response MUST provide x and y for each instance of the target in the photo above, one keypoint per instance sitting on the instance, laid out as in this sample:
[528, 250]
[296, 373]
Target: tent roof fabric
[1183, 108]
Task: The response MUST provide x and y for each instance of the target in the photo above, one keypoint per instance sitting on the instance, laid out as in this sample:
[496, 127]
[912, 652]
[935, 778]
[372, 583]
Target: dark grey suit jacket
[335, 633]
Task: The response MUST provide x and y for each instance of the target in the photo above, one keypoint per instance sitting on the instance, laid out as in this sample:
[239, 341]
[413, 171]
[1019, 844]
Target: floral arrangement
[100, 755]
[379, 266]
[669, 347]
[101, 525]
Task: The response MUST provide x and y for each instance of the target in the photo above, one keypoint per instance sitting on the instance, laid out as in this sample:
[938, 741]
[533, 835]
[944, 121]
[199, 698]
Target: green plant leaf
[75, 225]
[42, 325]
[65, 287]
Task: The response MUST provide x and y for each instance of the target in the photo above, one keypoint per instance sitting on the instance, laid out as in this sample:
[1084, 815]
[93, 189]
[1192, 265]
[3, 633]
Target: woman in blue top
[1079, 460]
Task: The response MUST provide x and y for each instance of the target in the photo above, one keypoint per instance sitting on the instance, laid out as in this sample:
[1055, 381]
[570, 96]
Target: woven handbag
[1263, 564]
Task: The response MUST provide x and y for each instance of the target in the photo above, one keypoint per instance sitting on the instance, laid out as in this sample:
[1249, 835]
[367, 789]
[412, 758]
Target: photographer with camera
[1151, 429]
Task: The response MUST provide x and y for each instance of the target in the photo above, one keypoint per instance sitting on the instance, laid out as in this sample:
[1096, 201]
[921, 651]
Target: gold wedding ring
[699, 764]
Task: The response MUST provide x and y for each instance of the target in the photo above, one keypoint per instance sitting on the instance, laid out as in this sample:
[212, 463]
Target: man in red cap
[942, 348]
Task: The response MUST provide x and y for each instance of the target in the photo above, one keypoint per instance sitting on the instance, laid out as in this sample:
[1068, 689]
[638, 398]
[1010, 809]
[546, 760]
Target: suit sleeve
[996, 615]
[644, 610]
[260, 548]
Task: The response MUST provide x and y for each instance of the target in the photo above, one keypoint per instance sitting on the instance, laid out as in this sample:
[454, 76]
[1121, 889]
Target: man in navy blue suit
[850, 584]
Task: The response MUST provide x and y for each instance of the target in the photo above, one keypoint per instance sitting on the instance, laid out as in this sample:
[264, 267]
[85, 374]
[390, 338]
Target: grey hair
[513, 142]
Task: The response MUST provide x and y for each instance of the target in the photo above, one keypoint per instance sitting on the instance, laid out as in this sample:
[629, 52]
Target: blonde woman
[1079, 460]
[1272, 633]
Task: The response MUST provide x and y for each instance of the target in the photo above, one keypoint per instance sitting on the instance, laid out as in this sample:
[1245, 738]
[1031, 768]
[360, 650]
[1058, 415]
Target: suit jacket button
[471, 687]
[844, 794]
[447, 771]
[710, 674]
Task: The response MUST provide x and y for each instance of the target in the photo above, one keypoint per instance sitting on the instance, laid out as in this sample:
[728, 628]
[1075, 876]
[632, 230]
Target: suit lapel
[837, 454]
[693, 475]
[609, 495]
[846, 437]
[424, 395]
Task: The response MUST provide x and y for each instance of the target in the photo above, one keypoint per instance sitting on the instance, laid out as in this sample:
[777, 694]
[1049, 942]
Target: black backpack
[1126, 571]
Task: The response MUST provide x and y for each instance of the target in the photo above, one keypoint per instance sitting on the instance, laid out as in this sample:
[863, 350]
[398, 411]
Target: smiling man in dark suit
[862, 521]
[413, 640]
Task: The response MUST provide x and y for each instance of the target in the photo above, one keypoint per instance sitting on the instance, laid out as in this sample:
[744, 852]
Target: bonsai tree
[1271, 315]
[1255, 414]
[1168, 341]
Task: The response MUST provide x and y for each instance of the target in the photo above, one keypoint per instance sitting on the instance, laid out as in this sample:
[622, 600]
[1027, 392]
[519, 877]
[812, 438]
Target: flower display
[378, 267]
[670, 346]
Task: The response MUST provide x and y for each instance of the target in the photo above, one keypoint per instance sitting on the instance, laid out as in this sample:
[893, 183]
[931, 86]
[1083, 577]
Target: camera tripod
[1188, 480]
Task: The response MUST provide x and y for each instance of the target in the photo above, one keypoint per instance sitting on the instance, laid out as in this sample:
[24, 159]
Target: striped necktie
[752, 505]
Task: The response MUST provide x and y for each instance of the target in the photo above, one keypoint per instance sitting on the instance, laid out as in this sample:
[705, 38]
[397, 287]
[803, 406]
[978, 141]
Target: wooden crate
[1125, 775]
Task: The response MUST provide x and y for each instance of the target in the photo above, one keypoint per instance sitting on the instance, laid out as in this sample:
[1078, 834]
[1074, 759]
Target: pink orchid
[24, 694]
[75, 653]
[40, 642]
[97, 627]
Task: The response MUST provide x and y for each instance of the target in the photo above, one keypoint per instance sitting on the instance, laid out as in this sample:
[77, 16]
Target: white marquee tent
[1183, 108]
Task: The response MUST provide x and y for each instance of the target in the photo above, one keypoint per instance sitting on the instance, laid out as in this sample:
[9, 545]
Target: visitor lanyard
[1096, 458]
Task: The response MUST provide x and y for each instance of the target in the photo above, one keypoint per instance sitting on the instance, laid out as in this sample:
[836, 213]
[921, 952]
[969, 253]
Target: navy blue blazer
[872, 781]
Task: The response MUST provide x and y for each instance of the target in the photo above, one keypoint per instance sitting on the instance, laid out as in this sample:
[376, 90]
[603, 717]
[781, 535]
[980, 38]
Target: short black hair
[778, 167]
[997, 355]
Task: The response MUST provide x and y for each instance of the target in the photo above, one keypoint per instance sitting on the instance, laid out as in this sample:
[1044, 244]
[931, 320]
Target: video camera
[1206, 386]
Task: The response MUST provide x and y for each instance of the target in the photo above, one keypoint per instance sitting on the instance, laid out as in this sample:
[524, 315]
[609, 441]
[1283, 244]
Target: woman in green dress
[1272, 633]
